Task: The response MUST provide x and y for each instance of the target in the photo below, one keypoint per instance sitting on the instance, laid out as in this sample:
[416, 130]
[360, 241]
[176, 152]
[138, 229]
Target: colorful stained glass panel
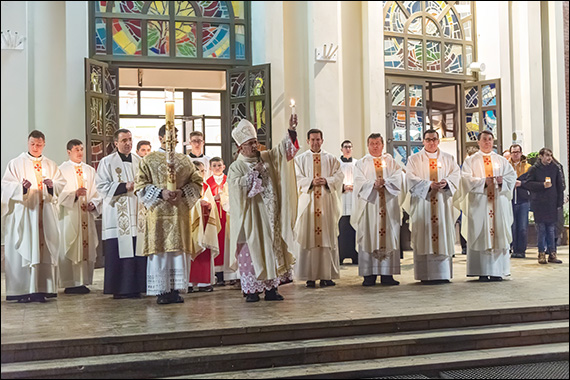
[433, 56]
[239, 10]
[472, 97]
[399, 125]
[158, 37]
[96, 153]
[128, 7]
[110, 118]
[453, 58]
[101, 6]
[100, 36]
[412, 6]
[110, 83]
[489, 95]
[96, 79]
[96, 119]
[217, 9]
[416, 26]
[394, 52]
[238, 113]
[395, 19]
[158, 8]
[257, 115]
[431, 28]
[416, 95]
[184, 9]
[216, 40]
[450, 25]
[186, 40]
[240, 41]
[472, 125]
[126, 37]
[416, 125]
[415, 54]
[257, 83]
[416, 149]
[401, 155]
[490, 121]
[399, 95]
[237, 85]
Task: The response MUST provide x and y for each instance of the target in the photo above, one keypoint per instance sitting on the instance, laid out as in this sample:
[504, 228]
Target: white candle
[384, 164]
[292, 105]
[547, 179]
[439, 166]
[44, 173]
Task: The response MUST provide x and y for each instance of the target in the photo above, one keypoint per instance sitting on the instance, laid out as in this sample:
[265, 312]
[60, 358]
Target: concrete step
[113, 345]
[291, 353]
[403, 365]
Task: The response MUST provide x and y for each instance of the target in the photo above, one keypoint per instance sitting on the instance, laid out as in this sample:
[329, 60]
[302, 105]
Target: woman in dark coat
[547, 188]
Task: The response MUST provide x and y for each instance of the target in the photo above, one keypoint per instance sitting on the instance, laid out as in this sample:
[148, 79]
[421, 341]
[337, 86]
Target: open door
[249, 97]
[405, 116]
[101, 109]
[189, 125]
[482, 111]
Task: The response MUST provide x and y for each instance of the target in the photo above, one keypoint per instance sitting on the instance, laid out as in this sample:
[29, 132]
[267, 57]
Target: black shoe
[324, 283]
[190, 289]
[496, 278]
[310, 284]
[483, 278]
[175, 297]
[253, 297]
[220, 279]
[369, 280]
[273, 295]
[163, 299]
[208, 288]
[463, 251]
[434, 282]
[24, 299]
[77, 290]
[35, 297]
[388, 281]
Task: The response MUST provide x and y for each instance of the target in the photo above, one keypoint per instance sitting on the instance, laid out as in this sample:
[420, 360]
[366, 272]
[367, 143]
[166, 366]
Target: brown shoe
[541, 258]
[553, 259]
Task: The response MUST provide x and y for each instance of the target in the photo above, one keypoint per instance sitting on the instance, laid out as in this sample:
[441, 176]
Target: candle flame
[292, 103]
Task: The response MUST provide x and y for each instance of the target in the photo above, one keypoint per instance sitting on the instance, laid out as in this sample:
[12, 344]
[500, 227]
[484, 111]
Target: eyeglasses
[431, 140]
[197, 141]
[347, 147]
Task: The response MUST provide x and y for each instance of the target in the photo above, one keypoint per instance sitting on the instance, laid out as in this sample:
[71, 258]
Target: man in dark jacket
[521, 205]
[546, 186]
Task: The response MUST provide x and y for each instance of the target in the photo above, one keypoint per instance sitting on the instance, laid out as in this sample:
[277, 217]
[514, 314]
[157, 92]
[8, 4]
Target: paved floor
[97, 315]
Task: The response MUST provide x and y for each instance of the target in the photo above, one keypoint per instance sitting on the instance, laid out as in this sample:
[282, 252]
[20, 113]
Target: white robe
[347, 169]
[27, 270]
[432, 261]
[73, 269]
[120, 212]
[483, 257]
[365, 218]
[318, 258]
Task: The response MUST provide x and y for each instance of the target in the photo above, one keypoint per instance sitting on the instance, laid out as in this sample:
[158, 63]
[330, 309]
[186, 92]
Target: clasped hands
[489, 181]
[319, 181]
[379, 183]
[438, 185]
[27, 184]
[172, 197]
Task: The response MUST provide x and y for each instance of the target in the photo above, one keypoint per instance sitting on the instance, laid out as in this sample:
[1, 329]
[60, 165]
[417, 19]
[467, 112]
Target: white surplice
[119, 212]
[76, 266]
[487, 245]
[347, 169]
[365, 217]
[432, 214]
[318, 256]
[31, 257]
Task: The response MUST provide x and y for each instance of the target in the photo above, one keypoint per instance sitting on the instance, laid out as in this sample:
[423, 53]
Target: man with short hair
[143, 148]
[432, 179]
[487, 183]
[319, 183]
[80, 204]
[197, 150]
[167, 241]
[346, 237]
[376, 214]
[520, 202]
[263, 204]
[31, 186]
[125, 270]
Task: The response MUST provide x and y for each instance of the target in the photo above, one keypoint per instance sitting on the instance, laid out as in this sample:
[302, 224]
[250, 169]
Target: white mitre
[243, 132]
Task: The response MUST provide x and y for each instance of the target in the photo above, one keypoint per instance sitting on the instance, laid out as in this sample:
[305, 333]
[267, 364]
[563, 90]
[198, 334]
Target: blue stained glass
[490, 120]
[416, 125]
[489, 95]
[401, 155]
[471, 97]
[416, 149]
[100, 36]
[412, 6]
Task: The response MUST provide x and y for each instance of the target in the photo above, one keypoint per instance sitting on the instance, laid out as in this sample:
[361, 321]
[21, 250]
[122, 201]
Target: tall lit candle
[439, 166]
[170, 138]
[292, 105]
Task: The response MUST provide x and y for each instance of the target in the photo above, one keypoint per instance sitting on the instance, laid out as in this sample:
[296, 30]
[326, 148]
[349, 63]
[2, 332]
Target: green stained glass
[415, 55]
[217, 9]
[158, 38]
[433, 56]
[186, 40]
[128, 6]
[257, 114]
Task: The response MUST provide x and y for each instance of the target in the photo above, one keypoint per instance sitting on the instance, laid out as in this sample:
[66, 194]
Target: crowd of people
[276, 216]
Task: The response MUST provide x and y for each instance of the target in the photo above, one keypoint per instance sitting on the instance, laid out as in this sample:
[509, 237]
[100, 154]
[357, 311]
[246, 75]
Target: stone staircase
[351, 348]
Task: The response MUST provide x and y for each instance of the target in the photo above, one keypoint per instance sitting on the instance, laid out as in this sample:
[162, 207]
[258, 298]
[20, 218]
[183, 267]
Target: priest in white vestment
[80, 205]
[166, 240]
[376, 214]
[125, 270]
[319, 183]
[30, 189]
[487, 183]
[432, 179]
[346, 234]
[263, 204]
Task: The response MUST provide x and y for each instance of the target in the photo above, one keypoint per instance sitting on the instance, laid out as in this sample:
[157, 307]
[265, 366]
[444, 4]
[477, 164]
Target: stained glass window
[237, 85]
[416, 125]
[490, 120]
[211, 31]
[399, 125]
[401, 155]
[399, 95]
[471, 97]
[440, 21]
[416, 96]
[489, 95]
[472, 125]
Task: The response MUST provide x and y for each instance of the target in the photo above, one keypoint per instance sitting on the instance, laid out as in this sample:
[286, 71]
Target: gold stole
[318, 191]
[39, 180]
[84, 220]
[433, 200]
[490, 198]
[382, 198]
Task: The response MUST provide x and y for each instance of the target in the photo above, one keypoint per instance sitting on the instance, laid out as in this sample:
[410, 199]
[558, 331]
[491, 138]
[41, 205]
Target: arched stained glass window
[167, 31]
[432, 37]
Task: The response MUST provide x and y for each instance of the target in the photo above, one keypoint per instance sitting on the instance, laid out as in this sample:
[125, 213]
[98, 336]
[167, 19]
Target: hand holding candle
[547, 183]
[292, 105]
